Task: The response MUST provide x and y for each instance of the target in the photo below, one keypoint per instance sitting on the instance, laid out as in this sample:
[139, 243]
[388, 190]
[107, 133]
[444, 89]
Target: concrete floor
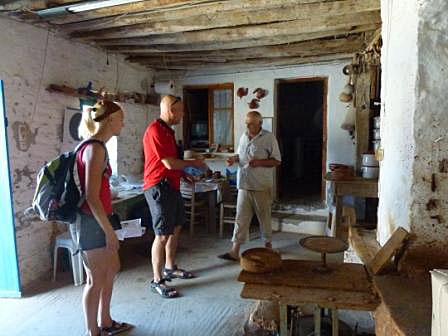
[210, 304]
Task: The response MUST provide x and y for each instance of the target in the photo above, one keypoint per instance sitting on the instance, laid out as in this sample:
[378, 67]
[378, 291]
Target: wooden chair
[227, 206]
[194, 207]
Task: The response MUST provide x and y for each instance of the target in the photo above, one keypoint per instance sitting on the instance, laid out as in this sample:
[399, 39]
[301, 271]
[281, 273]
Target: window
[208, 116]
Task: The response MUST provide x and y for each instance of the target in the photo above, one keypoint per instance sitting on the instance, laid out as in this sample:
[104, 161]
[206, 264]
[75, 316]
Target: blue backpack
[57, 196]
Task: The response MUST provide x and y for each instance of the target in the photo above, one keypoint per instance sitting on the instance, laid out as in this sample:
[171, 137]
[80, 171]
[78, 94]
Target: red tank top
[105, 195]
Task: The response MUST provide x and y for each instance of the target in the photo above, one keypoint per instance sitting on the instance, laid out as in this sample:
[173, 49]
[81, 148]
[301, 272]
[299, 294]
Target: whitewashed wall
[30, 59]
[413, 187]
[340, 147]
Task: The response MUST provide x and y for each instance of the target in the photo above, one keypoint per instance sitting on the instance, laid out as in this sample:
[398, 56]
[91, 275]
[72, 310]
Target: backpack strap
[106, 160]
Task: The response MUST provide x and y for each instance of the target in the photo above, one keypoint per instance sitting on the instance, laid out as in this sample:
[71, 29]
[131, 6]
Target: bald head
[253, 122]
[171, 109]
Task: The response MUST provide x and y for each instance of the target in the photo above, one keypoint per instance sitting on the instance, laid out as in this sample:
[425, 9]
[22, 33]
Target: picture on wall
[72, 119]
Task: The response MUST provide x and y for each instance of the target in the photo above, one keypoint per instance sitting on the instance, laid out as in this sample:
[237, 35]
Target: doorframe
[10, 286]
[324, 80]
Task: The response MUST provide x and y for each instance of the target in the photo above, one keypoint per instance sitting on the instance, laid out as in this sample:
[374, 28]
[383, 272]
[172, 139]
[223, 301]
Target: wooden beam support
[158, 6]
[303, 49]
[146, 44]
[301, 26]
[189, 20]
[35, 5]
[235, 65]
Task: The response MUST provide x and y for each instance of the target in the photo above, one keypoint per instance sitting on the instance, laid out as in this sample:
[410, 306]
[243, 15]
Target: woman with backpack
[98, 242]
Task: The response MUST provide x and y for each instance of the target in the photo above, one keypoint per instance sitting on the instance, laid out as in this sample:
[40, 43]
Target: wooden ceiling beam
[230, 13]
[235, 65]
[303, 49]
[34, 5]
[157, 6]
[298, 27]
[309, 20]
[140, 44]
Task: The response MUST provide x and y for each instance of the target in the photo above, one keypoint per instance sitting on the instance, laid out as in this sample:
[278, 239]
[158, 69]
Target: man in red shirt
[163, 171]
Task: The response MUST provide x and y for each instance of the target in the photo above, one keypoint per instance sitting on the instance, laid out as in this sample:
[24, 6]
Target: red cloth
[105, 196]
[159, 143]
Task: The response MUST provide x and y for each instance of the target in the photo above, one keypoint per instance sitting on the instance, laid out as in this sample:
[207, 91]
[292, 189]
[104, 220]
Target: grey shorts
[91, 234]
[167, 208]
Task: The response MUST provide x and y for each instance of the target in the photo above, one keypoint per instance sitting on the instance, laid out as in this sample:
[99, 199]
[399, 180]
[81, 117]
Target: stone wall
[413, 180]
[31, 59]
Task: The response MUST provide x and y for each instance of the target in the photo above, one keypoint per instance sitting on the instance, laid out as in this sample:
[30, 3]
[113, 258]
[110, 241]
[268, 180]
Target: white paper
[133, 228]
[130, 229]
[120, 234]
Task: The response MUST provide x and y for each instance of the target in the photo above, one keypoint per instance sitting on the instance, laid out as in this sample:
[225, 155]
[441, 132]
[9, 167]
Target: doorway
[9, 268]
[301, 130]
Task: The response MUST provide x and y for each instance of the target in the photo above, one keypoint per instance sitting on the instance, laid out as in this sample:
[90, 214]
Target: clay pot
[242, 92]
[345, 98]
[260, 93]
[254, 103]
[348, 89]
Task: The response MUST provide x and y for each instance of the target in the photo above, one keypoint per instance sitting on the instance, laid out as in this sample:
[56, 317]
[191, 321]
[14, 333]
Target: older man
[163, 171]
[258, 154]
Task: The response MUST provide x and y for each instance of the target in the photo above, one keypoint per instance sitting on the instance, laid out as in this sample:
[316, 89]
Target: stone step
[305, 223]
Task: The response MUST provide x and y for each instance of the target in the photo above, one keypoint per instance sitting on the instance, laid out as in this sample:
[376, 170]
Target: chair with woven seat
[194, 206]
[227, 207]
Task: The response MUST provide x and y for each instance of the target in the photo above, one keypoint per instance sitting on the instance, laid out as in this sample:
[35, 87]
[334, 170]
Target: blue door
[9, 268]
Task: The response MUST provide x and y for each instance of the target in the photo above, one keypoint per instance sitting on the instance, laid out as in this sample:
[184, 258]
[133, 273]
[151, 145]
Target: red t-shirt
[105, 195]
[159, 143]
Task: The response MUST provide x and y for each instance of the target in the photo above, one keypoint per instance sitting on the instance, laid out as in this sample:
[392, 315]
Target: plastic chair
[65, 240]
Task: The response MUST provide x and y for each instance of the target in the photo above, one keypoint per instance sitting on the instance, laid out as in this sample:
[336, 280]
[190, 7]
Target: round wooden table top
[323, 244]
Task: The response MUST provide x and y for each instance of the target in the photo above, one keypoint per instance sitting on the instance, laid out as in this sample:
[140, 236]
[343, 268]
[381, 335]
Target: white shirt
[262, 146]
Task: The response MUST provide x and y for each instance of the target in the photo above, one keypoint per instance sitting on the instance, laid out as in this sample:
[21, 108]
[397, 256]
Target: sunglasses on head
[176, 100]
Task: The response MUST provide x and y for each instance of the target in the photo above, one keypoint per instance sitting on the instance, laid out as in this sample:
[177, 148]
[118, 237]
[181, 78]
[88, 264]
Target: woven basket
[260, 260]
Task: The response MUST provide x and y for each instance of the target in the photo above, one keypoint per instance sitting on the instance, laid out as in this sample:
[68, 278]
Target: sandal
[115, 328]
[228, 256]
[163, 290]
[177, 273]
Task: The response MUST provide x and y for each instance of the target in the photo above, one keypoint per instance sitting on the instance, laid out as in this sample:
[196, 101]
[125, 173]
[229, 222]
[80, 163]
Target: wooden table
[357, 186]
[126, 201]
[348, 286]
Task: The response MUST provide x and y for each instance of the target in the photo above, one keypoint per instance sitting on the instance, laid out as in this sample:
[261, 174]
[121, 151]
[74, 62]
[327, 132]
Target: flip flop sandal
[227, 256]
[115, 328]
[163, 290]
[177, 273]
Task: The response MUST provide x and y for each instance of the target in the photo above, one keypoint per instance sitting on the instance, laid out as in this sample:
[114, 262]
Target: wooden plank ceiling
[205, 34]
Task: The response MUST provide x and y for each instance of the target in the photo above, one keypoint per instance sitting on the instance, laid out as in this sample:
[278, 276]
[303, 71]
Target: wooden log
[195, 19]
[202, 34]
[237, 65]
[158, 6]
[303, 49]
[147, 43]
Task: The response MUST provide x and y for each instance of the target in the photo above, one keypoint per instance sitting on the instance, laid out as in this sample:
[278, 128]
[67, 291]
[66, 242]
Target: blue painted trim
[9, 265]
[10, 294]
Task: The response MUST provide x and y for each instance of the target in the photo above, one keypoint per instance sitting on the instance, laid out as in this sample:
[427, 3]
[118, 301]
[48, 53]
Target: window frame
[211, 88]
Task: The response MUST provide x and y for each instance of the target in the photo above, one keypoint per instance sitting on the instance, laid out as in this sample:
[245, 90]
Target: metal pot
[376, 122]
[376, 134]
[370, 172]
[369, 160]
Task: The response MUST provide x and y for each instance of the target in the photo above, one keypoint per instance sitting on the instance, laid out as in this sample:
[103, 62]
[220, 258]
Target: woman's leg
[105, 320]
[96, 269]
